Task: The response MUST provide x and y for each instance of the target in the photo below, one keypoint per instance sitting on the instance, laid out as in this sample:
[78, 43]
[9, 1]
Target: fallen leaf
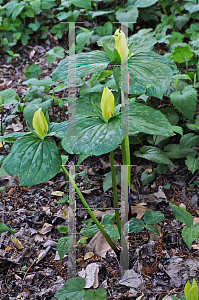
[91, 275]
[88, 255]
[46, 228]
[160, 193]
[17, 243]
[57, 193]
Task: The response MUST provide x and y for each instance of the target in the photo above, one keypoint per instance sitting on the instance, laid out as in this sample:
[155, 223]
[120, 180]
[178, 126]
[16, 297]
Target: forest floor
[160, 266]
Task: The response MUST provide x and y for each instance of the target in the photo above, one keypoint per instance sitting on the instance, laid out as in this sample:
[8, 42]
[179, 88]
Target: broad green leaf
[192, 162]
[63, 229]
[139, 44]
[31, 108]
[82, 3]
[196, 226]
[85, 63]
[147, 177]
[4, 228]
[82, 38]
[108, 219]
[59, 128]
[152, 217]
[173, 151]
[135, 225]
[142, 3]
[63, 245]
[189, 235]
[73, 289]
[180, 21]
[100, 294]
[130, 13]
[171, 115]
[101, 13]
[177, 129]
[33, 159]
[93, 136]
[153, 154]
[112, 231]
[185, 101]
[143, 118]
[152, 228]
[47, 4]
[89, 232]
[182, 53]
[33, 71]
[148, 73]
[47, 82]
[182, 215]
[107, 181]
[8, 97]
[11, 137]
[188, 140]
[53, 54]
[34, 26]
[18, 9]
[191, 6]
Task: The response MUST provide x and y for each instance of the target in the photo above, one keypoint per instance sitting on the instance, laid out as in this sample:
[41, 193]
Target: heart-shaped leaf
[182, 215]
[112, 231]
[33, 159]
[189, 235]
[152, 217]
[134, 225]
[73, 289]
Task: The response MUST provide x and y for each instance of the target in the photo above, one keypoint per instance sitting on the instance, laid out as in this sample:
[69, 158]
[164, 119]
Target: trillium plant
[107, 112]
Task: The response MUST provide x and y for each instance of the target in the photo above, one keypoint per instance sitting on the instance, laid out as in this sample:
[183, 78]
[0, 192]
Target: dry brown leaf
[139, 210]
[46, 228]
[90, 275]
[99, 213]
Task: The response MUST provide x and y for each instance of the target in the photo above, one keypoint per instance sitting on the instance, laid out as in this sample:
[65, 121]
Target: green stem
[116, 206]
[162, 4]
[95, 220]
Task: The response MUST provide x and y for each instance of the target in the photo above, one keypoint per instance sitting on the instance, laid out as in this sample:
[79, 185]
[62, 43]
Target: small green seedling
[191, 292]
[191, 232]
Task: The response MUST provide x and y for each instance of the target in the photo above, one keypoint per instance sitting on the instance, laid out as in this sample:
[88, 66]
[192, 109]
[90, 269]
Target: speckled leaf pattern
[143, 118]
[94, 136]
[148, 74]
[33, 159]
[85, 64]
[134, 225]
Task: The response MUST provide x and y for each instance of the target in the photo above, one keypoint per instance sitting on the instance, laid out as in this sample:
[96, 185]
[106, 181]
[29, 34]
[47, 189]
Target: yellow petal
[107, 104]
[121, 44]
[40, 124]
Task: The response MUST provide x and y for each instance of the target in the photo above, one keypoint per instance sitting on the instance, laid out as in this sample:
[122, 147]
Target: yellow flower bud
[40, 124]
[107, 104]
[121, 44]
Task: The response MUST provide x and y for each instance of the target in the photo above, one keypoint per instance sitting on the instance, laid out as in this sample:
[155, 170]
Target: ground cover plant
[130, 99]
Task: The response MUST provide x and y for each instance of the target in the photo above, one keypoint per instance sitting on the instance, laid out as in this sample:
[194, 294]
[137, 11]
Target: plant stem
[95, 220]
[116, 206]
[2, 120]
[162, 4]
